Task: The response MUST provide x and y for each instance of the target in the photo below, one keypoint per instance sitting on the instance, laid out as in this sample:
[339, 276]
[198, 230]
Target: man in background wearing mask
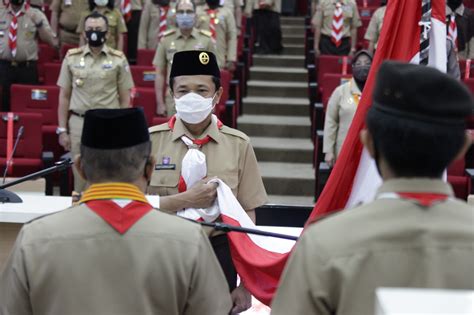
[342, 106]
[65, 18]
[158, 16]
[20, 26]
[92, 76]
[186, 37]
[220, 22]
[195, 86]
[461, 19]
[415, 234]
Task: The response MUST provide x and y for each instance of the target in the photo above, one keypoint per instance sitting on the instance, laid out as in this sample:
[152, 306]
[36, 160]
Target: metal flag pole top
[425, 27]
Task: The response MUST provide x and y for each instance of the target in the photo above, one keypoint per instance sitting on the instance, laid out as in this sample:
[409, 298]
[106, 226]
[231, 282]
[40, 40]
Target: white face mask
[101, 3]
[193, 108]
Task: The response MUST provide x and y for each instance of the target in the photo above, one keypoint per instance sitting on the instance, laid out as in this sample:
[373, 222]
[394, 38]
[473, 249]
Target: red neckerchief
[424, 199]
[98, 199]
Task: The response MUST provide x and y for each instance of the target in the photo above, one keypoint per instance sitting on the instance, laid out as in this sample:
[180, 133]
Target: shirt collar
[22, 9]
[355, 88]
[87, 50]
[180, 130]
[113, 191]
[194, 33]
[459, 10]
[416, 185]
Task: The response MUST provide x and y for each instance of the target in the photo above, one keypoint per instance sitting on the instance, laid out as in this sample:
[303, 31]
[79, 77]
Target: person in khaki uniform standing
[195, 86]
[415, 234]
[375, 27]
[186, 37]
[329, 42]
[220, 20]
[18, 65]
[92, 76]
[149, 33]
[266, 17]
[115, 19]
[342, 106]
[113, 253]
[65, 18]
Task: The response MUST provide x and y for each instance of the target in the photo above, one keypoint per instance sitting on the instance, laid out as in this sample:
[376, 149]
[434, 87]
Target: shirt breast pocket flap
[165, 178]
[79, 74]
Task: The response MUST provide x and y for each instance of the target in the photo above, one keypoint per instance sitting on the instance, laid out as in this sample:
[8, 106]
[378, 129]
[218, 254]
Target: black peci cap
[194, 62]
[114, 128]
[420, 93]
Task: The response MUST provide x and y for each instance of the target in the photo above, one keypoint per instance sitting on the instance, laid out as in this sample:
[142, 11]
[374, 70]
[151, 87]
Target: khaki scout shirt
[339, 262]
[173, 42]
[74, 263]
[95, 82]
[116, 25]
[325, 12]
[27, 32]
[150, 25]
[341, 109]
[226, 32]
[375, 26]
[137, 5]
[251, 5]
[229, 156]
[69, 12]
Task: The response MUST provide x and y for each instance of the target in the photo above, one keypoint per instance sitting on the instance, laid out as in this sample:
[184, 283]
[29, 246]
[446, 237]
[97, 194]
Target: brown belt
[76, 114]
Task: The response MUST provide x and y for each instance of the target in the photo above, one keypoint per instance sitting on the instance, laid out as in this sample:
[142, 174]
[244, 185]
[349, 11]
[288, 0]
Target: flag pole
[425, 27]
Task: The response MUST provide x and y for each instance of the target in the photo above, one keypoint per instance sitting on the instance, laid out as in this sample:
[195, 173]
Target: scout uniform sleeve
[249, 7]
[231, 37]
[211, 46]
[125, 80]
[331, 122]
[317, 20]
[56, 6]
[251, 192]
[143, 28]
[121, 27]
[356, 22]
[207, 280]
[14, 294]
[372, 30]
[80, 26]
[303, 287]
[45, 21]
[65, 78]
[159, 60]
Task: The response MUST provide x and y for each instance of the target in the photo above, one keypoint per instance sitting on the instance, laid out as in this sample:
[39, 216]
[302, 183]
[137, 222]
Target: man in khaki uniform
[65, 18]
[235, 7]
[186, 37]
[195, 85]
[375, 27]
[113, 253]
[415, 234]
[322, 22]
[20, 66]
[92, 76]
[223, 21]
[133, 25]
[464, 18]
[266, 18]
[148, 35]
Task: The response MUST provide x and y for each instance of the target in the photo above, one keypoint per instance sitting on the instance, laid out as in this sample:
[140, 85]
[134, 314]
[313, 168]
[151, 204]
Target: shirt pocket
[230, 178]
[164, 182]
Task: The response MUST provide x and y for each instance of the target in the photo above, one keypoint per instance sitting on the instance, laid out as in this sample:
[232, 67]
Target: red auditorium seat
[145, 98]
[332, 64]
[143, 76]
[463, 68]
[64, 50]
[459, 179]
[470, 84]
[51, 73]
[41, 100]
[364, 3]
[329, 83]
[145, 57]
[27, 158]
[45, 54]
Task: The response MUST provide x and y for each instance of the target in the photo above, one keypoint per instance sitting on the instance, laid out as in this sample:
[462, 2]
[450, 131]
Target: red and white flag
[354, 178]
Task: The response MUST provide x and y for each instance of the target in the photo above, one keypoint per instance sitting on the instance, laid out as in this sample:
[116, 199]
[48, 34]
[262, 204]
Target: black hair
[191, 1]
[119, 165]
[110, 5]
[414, 148]
[97, 15]
[216, 80]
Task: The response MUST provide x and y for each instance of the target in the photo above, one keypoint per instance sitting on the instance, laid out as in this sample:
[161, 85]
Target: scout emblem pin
[204, 58]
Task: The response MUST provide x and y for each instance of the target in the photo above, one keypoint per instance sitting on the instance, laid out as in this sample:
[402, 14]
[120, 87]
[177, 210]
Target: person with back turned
[113, 253]
[415, 233]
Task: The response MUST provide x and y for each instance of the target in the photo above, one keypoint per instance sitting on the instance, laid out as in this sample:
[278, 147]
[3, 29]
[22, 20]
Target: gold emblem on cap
[204, 58]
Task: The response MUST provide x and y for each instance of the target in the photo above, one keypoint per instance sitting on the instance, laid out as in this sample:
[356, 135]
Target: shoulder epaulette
[234, 132]
[169, 32]
[116, 52]
[204, 32]
[74, 51]
[159, 128]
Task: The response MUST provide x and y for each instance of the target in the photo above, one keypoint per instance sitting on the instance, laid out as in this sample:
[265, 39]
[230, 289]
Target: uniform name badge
[165, 164]
[107, 65]
[39, 95]
[2, 34]
[67, 2]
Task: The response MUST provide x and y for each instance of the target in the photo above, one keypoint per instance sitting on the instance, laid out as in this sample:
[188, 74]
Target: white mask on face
[101, 3]
[193, 108]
